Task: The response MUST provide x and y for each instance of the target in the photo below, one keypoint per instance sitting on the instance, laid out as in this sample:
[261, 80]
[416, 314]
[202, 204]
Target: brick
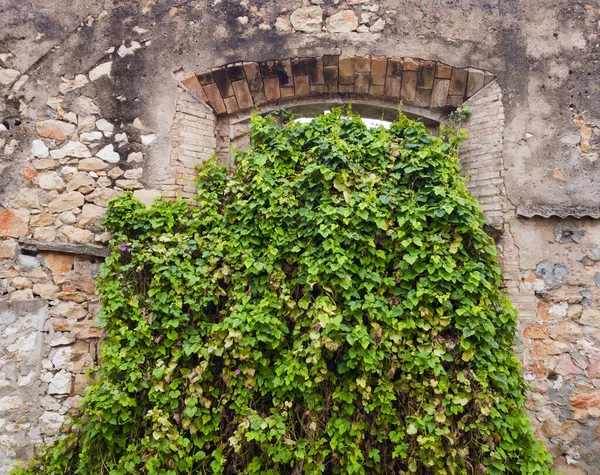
[455, 101]
[242, 94]
[362, 64]
[215, 99]
[440, 93]
[284, 73]
[299, 67]
[302, 85]
[393, 85]
[330, 73]
[330, 60]
[411, 64]
[378, 70]
[375, 90]
[287, 91]
[317, 89]
[192, 83]
[223, 83]
[409, 85]
[236, 72]
[252, 71]
[268, 69]
[458, 82]
[315, 70]
[488, 78]
[346, 70]
[272, 91]
[394, 67]
[443, 71]
[426, 75]
[475, 81]
[205, 78]
[422, 98]
[346, 88]
[361, 83]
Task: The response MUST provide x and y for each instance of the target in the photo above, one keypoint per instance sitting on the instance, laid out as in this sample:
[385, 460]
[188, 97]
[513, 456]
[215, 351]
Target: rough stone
[26, 198]
[61, 383]
[91, 214]
[343, 21]
[72, 149]
[10, 403]
[590, 316]
[44, 164]
[101, 196]
[54, 129]
[8, 76]
[105, 126]
[101, 70]
[565, 232]
[147, 196]
[282, 25]
[20, 283]
[134, 173]
[136, 157]
[90, 137]
[44, 234]
[92, 164]
[129, 184]
[148, 139]
[39, 149]
[307, 19]
[8, 248]
[552, 274]
[51, 181]
[46, 291]
[108, 154]
[73, 234]
[66, 201]
[115, 173]
[14, 222]
[79, 180]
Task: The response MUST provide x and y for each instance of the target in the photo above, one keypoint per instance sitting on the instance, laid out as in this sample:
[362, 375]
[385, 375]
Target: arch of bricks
[214, 107]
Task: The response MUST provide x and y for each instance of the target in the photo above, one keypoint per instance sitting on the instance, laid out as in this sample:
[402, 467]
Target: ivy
[333, 306]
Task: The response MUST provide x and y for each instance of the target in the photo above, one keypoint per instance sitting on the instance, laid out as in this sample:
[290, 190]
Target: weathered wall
[90, 106]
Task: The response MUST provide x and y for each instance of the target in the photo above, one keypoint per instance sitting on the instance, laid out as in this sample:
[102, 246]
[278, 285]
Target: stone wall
[97, 100]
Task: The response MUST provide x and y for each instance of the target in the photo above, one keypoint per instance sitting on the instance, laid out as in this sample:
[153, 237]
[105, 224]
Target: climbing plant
[333, 306]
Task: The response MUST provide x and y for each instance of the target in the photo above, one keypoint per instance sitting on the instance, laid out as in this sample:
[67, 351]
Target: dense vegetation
[333, 306]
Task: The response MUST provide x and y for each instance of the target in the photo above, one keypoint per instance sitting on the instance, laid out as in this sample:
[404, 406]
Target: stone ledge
[546, 211]
[65, 247]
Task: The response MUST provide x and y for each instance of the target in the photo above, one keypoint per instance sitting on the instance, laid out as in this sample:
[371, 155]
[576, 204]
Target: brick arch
[213, 109]
[419, 83]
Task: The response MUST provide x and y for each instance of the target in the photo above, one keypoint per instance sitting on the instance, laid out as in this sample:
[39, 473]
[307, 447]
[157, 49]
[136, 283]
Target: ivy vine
[333, 306]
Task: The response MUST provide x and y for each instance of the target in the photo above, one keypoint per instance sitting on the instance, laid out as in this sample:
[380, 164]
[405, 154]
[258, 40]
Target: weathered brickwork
[416, 82]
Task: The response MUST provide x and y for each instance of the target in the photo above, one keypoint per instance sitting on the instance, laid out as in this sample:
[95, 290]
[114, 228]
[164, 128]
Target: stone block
[214, 98]
[395, 66]
[14, 222]
[440, 93]
[346, 69]
[378, 70]
[362, 64]
[411, 64]
[475, 81]
[243, 94]
[393, 86]
[409, 85]
[315, 70]
[458, 82]
[272, 91]
[302, 85]
[330, 73]
[426, 75]
[443, 71]
[361, 82]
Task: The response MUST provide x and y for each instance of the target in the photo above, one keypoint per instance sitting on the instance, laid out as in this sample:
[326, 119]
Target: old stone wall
[102, 97]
